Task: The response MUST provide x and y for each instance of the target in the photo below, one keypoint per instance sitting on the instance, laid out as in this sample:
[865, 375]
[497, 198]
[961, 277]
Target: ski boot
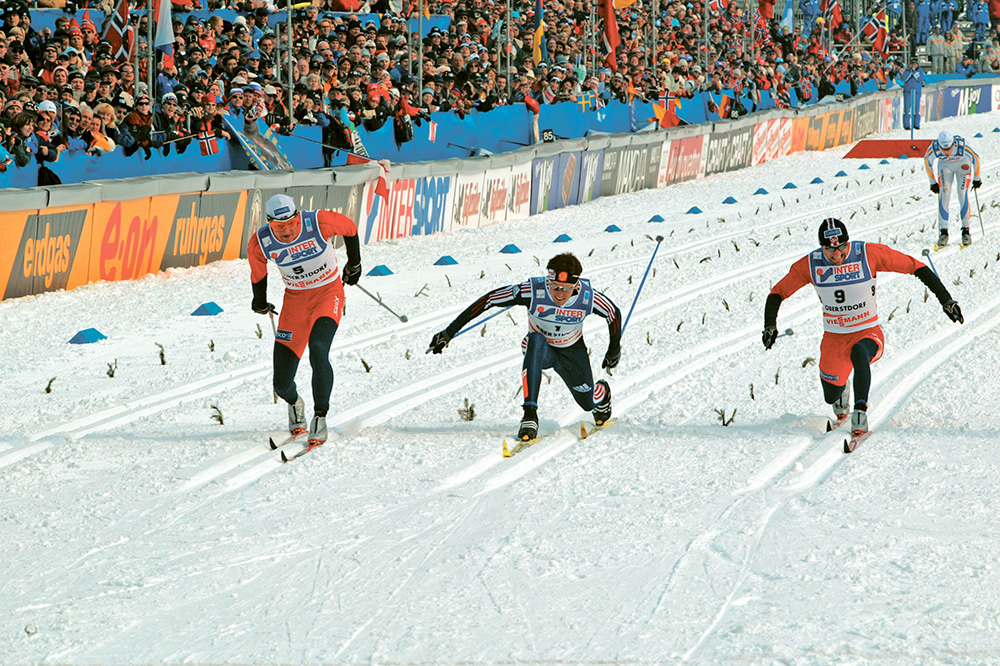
[966, 237]
[317, 431]
[297, 417]
[529, 425]
[602, 411]
[842, 405]
[859, 422]
[942, 239]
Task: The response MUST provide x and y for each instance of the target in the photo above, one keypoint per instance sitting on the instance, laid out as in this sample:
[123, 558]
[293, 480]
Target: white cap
[47, 106]
[280, 207]
[945, 139]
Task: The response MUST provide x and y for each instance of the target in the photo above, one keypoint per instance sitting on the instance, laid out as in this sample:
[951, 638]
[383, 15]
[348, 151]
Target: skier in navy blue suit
[913, 82]
[557, 305]
[979, 13]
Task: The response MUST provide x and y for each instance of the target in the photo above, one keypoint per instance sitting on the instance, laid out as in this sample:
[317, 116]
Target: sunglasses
[561, 290]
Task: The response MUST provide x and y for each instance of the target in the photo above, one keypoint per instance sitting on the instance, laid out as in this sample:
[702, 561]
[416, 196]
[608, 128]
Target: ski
[584, 433]
[832, 425]
[288, 440]
[852, 443]
[507, 453]
[309, 446]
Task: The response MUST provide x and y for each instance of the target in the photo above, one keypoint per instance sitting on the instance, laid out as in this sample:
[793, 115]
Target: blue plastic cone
[510, 249]
[446, 260]
[379, 271]
[207, 309]
[86, 336]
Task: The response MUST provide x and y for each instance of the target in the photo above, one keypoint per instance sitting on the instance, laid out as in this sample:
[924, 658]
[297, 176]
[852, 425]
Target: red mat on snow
[871, 148]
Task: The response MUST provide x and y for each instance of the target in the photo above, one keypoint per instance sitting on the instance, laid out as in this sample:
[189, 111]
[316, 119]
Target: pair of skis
[295, 434]
[852, 442]
[585, 432]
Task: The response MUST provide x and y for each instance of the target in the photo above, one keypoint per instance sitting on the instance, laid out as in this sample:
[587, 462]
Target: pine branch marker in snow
[48, 387]
[112, 368]
[260, 332]
[163, 353]
[367, 367]
[217, 415]
[468, 413]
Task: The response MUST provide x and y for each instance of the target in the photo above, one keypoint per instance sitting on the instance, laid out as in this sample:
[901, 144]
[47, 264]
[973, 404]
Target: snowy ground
[137, 530]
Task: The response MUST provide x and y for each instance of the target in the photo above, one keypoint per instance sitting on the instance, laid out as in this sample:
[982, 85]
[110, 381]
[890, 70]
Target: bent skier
[956, 162]
[557, 306]
[845, 274]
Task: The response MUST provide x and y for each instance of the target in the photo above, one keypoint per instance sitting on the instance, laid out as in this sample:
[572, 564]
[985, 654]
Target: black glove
[935, 188]
[976, 184]
[352, 273]
[953, 311]
[611, 360]
[262, 307]
[439, 342]
[769, 336]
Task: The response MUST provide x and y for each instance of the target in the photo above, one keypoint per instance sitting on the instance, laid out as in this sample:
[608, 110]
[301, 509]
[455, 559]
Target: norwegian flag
[869, 28]
[882, 34]
[432, 134]
[611, 39]
[120, 33]
[718, 6]
[832, 11]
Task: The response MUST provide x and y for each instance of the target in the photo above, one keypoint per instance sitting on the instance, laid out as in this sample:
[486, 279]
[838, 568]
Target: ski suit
[913, 83]
[810, 10]
[979, 13]
[923, 21]
[555, 339]
[314, 297]
[954, 171]
[852, 337]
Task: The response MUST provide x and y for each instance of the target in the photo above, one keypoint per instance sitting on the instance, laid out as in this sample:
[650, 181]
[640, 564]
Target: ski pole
[482, 321]
[787, 331]
[979, 211]
[474, 325]
[659, 239]
[274, 329]
[378, 299]
[927, 253]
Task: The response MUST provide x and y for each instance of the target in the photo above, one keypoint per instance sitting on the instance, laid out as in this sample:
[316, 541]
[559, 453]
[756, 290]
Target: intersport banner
[772, 139]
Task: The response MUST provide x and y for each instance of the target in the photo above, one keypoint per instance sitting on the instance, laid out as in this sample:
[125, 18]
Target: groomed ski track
[389, 544]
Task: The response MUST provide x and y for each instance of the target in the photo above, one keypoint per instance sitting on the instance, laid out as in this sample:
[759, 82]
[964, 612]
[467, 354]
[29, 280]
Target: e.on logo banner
[46, 255]
[134, 238]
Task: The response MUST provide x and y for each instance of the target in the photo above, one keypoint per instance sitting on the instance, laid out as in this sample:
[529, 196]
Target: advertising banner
[591, 168]
[499, 189]
[729, 151]
[467, 201]
[519, 202]
[432, 204]
[47, 254]
[687, 159]
[393, 217]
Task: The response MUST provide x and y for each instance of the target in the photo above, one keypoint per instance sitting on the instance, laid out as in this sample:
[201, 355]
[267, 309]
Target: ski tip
[506, 451]
[583, 430]
[284, 458]
[829, 425]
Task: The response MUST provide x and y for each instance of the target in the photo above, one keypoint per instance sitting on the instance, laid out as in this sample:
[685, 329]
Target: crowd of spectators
[64, 92]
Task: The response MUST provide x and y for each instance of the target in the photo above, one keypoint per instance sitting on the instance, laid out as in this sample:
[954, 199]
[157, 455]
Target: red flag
[718, 6]
[611, 39]
[725, 106]
[120, 34]
[382, 186]
[766, 8]
[432, 131]
[832, 10]
[882, 36]
[532, 104]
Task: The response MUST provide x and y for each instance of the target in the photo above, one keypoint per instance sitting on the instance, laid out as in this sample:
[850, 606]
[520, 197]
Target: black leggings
[286, 363]
[862, 354]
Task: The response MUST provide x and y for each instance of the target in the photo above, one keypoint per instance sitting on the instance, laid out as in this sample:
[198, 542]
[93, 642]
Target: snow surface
[137, 530]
